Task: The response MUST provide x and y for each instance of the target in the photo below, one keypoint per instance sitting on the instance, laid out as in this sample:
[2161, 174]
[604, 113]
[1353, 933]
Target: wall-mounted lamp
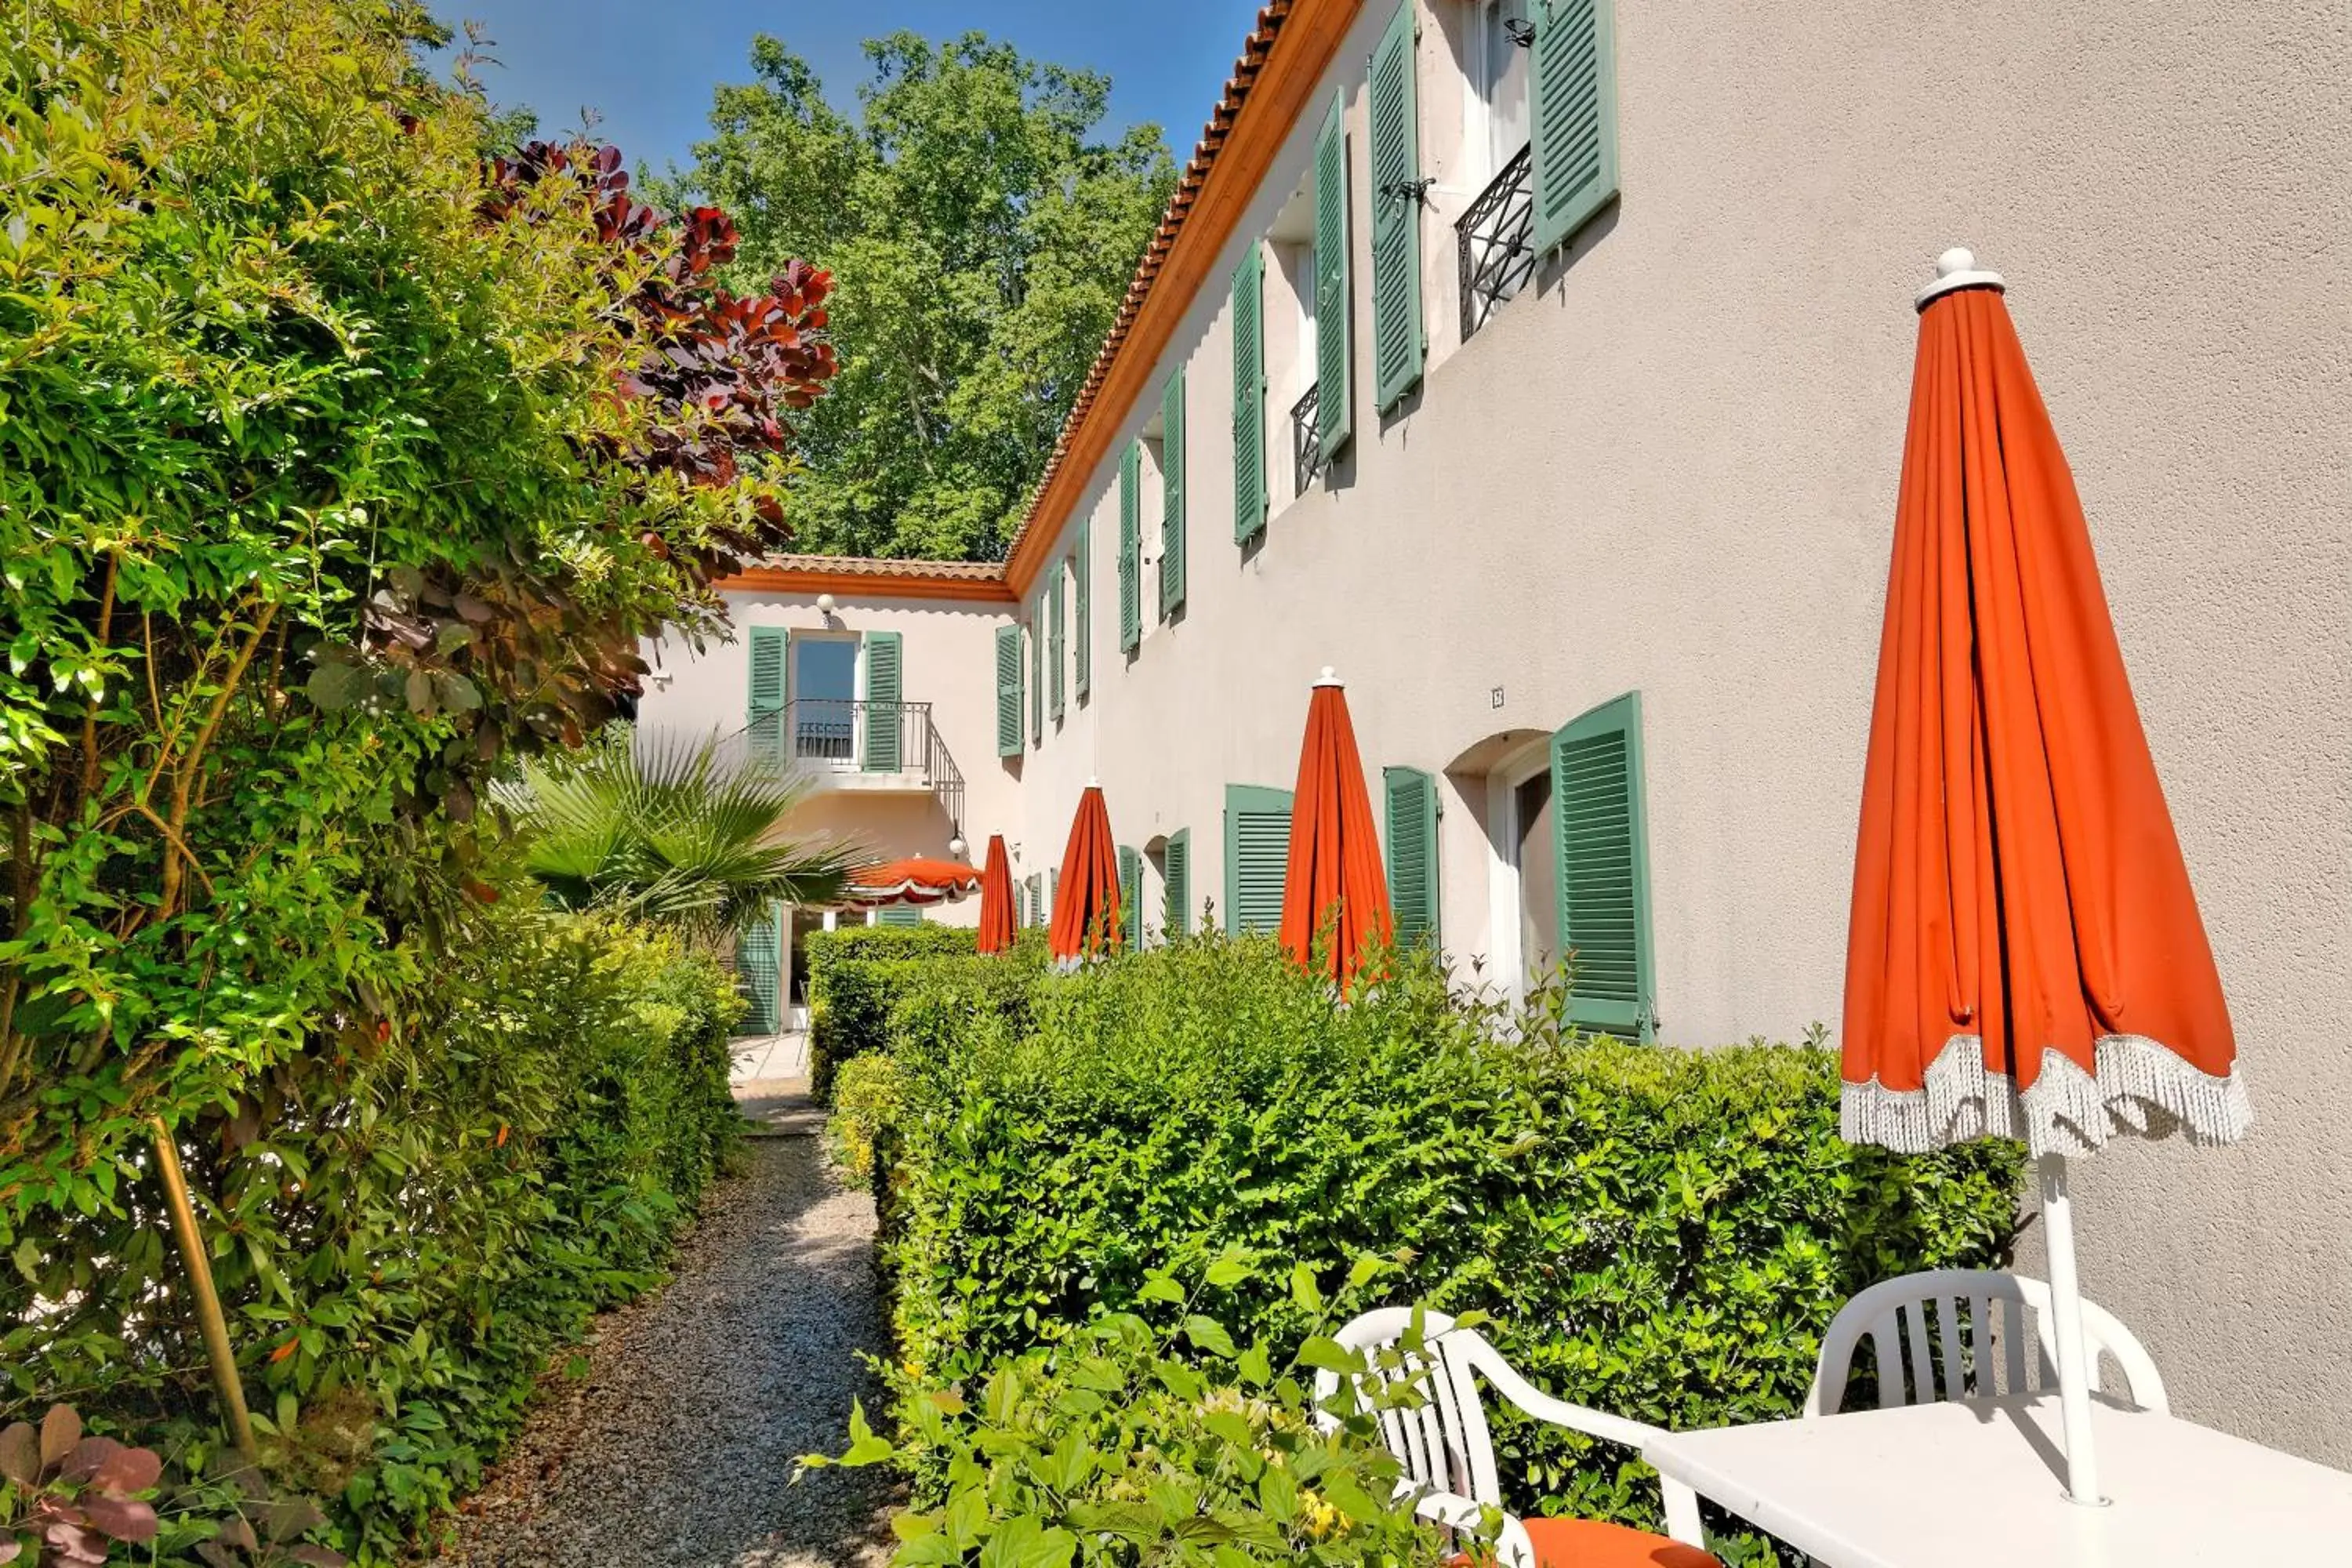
[825, 605]
[1409, 190]
[1520, 31]
[957, 847]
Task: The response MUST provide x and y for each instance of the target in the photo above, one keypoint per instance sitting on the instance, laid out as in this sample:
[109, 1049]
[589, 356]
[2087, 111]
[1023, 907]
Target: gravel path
[677, 1448]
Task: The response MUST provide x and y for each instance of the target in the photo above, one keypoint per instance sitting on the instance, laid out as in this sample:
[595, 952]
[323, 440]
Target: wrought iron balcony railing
[1305, 441]
[844, 736]
[1496, 239]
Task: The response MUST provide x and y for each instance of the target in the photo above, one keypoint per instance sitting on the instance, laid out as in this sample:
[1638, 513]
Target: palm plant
[670, 828]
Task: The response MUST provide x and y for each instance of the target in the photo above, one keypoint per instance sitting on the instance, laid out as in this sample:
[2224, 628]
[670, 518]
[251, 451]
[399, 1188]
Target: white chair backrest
[1444, 1445]
[1957, 1333]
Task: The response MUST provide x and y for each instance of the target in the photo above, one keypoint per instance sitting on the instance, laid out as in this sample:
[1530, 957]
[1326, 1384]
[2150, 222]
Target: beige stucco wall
[1671, 467]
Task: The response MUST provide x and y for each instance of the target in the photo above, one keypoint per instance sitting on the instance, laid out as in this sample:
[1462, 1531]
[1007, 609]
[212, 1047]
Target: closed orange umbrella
[1086, 899]
[996, 897]
[1334, 850]
[2025, 955]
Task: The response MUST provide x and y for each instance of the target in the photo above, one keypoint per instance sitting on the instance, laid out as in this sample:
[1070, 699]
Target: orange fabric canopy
[2025, 952]
[1334, 850]
[918, 880]
[1085, 898]
[996, 898]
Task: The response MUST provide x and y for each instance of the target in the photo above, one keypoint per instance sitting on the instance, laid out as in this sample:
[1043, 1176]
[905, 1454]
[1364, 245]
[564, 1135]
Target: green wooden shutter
[884, 749]
[1257, 856]
[1131, 548]
[1131, 898]
[898, 915]
[1053, 896]
[1604, 867]
[759, 969]
[1249, 394]
[1055, 644]
[1037, 672]
[1413, 806]
[1082, 566]
[1335, 325]
[1398, 344]
[1176, 862]
[764, 717]
[1008, 691]
[1036, 899]
[1172, 494]
[1572, 107]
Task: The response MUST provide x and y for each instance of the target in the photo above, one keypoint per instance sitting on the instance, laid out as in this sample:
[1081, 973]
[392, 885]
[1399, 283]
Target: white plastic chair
[1969, 1327]
[1444, 1445]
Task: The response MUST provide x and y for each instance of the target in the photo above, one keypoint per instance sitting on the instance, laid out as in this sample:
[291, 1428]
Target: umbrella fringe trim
[2141, 1088]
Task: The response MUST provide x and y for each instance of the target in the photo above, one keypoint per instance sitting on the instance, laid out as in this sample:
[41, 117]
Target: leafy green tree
[672, 829]
[981, 242]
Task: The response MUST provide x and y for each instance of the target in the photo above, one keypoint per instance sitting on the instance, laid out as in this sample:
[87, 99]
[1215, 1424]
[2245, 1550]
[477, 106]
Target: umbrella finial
[1957, 268]
[1330, 677]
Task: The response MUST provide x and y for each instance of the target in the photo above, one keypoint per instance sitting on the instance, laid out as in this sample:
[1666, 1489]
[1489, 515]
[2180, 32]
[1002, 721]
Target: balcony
[1305, 441]
[1497, 242]
[883, 747]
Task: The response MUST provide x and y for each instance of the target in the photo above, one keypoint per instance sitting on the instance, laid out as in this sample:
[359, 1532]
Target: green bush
[853, 977]
[1660, 1233]
[422, 1214]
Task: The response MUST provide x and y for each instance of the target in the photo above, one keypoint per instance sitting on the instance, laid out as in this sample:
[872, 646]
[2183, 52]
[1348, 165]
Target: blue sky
[649, 69]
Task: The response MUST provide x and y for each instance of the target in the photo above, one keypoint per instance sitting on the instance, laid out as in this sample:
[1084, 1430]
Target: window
[824, 697]
[1499, 81]
[1293, 336]
[1257, 856]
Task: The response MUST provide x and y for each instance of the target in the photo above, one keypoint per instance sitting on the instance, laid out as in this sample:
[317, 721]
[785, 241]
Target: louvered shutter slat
[1037, 672]
[1602, 841]
[1008, 691]
[1249, 396]
[1081, 565]
[1399, 343]
[885, 749]
[1572, 104]
[1257, 856]
[1131, 548]
[1176, 859]
[1054, 651]
[1412, 853]
[765, 712]
[1172, 494]
[1131, 898]
[1335, 326]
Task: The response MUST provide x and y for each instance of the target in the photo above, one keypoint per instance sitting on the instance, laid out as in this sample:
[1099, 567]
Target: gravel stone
[677, 1446]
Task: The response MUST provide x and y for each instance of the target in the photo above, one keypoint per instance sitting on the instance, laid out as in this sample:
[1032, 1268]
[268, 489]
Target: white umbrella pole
[2066, 1330]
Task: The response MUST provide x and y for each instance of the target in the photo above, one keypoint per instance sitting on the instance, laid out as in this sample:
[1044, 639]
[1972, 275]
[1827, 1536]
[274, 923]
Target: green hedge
[1661, 1233]
[421, 1215]
[854, 975]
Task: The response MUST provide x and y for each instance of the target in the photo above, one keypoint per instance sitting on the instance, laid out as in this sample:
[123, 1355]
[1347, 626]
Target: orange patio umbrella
[1334, 850]
[918, 880]
[1086, 899]
[2026, 958]
[996, 898]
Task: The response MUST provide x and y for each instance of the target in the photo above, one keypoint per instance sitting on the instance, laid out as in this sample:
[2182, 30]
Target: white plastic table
[1976, 1483]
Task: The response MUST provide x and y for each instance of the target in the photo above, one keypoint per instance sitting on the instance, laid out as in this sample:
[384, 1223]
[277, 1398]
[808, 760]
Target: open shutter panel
[885, 749]
[1572, 104]
[1249, 395]
[1604, 867]
[898, 915]
[1172, 494]
[1398, 344]
[1056, 608]
[1257, 856]
[1131, 898]
[1008, 691]
[1082, 566]
[1412, 853]
[1131, 548]
[1176, 860]
[764, 714]
[1335, 325]
[1037, 672]
[759, 967]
